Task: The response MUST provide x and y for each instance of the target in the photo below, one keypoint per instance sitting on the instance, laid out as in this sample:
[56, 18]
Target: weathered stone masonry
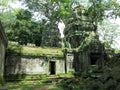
[3, 45]
[16, 64]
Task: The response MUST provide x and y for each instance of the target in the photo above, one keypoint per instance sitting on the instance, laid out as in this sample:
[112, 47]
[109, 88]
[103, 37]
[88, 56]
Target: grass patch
[31, 85]
[42, 51]
[25, 77]
[57, 88]
[24, 85]
[35, 77]
[14, 48]
[69, 74]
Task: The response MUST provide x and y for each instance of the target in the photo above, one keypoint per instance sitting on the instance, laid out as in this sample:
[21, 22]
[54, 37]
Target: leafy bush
[14, 49]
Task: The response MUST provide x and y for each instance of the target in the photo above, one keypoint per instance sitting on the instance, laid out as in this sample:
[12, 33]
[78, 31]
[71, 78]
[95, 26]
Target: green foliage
[23, 30]
[76, 16]
[70, 83]
[87, 41]
[50, 13]
[52, 10]
[24, 85]
[62, 1]
[21, 27]
[85, 19]
[31, 85]
[14, 49]
[23, 15]
[117, 50]
[48, 7]
[7, 13]
[97, 10]
[63, 12]
[37, 33]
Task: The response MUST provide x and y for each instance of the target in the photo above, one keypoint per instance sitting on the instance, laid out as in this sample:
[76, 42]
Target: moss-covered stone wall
[3, 44]
[16, 64]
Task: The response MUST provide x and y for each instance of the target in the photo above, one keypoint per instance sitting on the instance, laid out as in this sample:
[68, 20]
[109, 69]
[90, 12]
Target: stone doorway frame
[52, 67]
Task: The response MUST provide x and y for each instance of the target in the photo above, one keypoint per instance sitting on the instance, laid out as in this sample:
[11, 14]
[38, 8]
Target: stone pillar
[2, 57]
[65, 56]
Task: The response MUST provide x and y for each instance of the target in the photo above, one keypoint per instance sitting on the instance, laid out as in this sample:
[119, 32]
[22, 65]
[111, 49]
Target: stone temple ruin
[92, 54]
[81, 34]
[90, 51]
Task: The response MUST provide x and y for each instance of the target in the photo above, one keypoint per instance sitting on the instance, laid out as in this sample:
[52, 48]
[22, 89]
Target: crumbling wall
[3, 44]
[16, 64]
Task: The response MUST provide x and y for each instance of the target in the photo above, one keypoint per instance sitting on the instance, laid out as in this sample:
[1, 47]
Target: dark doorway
[52, 67]
[94, 58]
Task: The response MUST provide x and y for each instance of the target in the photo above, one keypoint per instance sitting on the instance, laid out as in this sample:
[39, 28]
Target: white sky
[61, 27]
[117, 21]
[17, 4]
